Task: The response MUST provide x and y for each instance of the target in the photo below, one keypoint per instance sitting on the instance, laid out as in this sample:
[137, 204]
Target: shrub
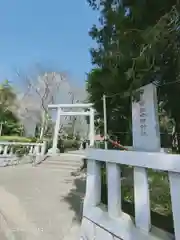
[63, 144]
[76, 144]
[15, 139]
[68, 143]
[20, 150]
[49, 144]
[101, 145]
[71, 144]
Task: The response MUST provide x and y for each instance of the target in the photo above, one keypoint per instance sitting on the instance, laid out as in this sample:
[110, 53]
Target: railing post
[93, 184]
[114, 189]
[91, 127]
[1, 148]
[5, 151]
[35, 150]
[31, 150]
[43, 148]
[56, 131]
[142, 200]
[174, 179]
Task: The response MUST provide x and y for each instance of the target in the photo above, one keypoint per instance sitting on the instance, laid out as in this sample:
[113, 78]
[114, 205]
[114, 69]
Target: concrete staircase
[65, 163]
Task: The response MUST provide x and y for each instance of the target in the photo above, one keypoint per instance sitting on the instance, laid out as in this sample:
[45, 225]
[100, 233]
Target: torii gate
[60, 113]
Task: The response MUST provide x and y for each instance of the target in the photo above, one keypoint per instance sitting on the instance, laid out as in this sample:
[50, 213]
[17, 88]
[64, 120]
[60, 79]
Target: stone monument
[145, 122]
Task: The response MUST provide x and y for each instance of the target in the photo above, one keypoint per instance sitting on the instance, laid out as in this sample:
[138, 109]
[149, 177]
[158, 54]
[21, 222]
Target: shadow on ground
[75, 197]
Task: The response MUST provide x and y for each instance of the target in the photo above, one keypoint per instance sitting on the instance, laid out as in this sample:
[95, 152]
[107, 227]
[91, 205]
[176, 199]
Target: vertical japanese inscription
[142, 114]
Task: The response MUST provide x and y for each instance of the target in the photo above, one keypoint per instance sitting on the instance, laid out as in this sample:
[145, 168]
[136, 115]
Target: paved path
[39, 203]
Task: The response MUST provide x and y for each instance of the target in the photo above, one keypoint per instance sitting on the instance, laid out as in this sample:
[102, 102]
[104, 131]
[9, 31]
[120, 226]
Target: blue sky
[53, 33]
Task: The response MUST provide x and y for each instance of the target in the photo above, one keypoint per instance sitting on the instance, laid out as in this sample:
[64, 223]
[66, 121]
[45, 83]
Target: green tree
[118, 107]
[159, 60]
[8, 120]
[135, 47]
[7, 95]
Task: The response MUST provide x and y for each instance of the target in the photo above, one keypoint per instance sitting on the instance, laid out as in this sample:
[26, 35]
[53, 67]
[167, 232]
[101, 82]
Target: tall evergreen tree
[137, 43]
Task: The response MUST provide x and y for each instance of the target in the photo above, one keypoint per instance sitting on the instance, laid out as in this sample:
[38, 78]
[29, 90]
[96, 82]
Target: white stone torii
[60, 113]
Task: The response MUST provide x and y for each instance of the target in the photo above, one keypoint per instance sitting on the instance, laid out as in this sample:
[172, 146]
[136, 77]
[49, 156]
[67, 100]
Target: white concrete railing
[114, 223]
[9, 148]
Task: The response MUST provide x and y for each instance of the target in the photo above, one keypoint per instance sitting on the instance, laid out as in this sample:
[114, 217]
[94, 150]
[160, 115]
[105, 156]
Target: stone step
[67, 156]
[65, 163]
[64, 172]
[62, 165]
[63, 168]
[62, 162]
[70, 160]
[79, 152]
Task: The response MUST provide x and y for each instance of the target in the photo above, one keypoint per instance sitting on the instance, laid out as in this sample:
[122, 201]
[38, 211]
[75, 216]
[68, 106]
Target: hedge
[64, 145]
[16, 139]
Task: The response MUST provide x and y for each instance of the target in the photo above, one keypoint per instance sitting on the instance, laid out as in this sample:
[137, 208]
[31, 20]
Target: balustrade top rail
[152, 160]
[11, 148]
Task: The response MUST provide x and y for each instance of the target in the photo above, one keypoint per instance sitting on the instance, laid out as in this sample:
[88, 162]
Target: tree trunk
[42, 132]
[43, 125]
